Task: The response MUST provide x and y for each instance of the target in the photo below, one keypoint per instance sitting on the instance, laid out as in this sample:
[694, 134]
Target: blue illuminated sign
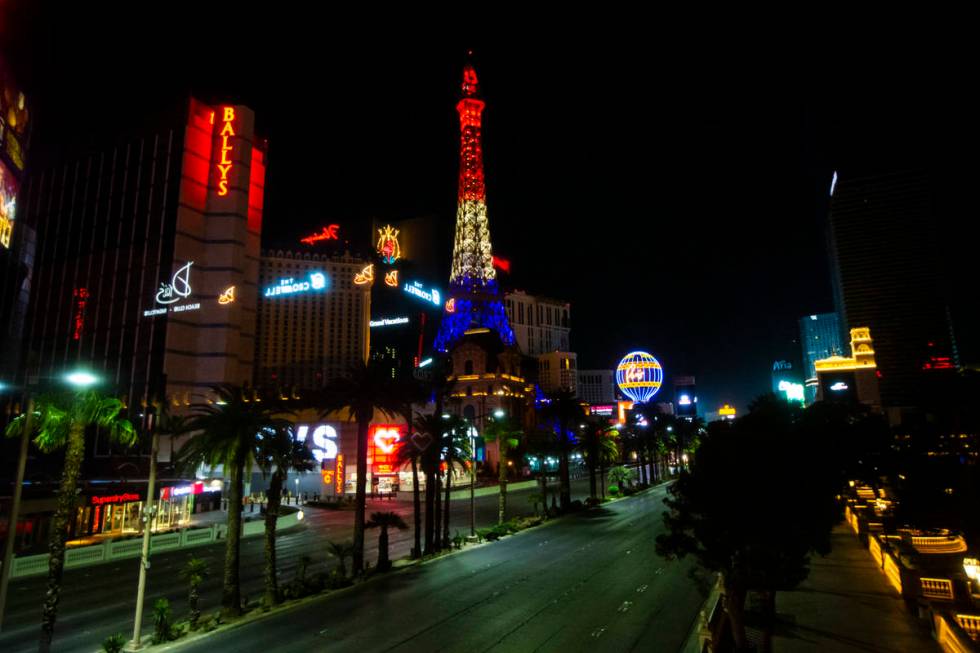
[432, 295]
[315, 282]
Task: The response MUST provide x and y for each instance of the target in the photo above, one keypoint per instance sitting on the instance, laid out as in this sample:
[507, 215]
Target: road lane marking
[641, 589]
[597, 633]
[625, 606]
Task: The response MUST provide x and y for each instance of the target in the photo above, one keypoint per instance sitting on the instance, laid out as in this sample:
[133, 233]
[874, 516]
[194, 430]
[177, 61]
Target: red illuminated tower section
[474, 299]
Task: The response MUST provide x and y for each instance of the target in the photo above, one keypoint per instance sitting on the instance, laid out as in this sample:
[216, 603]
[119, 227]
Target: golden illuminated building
[862, 354]
[851, 378]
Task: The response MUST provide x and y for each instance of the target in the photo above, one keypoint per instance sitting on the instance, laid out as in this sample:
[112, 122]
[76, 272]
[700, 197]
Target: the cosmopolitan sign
[315, 282]
[324, 440]
[432, 295]
[170, 295]
[389, 321]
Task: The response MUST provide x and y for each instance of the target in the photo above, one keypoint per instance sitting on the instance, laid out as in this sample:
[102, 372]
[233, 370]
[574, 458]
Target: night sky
[674, 193]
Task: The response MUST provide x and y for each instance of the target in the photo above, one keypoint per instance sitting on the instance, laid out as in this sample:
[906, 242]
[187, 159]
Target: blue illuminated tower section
[474, 298]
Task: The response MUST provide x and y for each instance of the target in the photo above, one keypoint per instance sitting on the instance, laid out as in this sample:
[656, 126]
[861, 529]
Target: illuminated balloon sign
[639, 375]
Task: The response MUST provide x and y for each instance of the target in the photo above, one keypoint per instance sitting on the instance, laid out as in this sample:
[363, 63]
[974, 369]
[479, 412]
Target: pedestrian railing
[937, 588]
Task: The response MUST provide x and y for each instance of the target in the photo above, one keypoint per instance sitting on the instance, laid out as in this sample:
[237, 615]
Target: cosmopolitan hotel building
[312, 319]
[146, 274]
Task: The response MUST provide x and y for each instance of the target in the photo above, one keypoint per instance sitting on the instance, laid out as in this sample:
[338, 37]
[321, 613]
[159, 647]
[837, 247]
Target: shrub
[458, 540]
[163, 630]
[114, 643]
[592, 502]
[575, 506]
[614, 490]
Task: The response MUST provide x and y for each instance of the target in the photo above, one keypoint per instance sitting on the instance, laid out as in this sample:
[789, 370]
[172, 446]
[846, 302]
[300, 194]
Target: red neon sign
[81, 299]
[385, 442]
[115, 498]
[327, 233]
[501, 264]
[225, 163]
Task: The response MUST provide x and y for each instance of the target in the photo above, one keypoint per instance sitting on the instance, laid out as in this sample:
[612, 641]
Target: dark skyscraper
[887, 276]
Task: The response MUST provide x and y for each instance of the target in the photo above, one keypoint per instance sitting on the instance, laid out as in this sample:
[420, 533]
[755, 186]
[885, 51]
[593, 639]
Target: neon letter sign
[224, 164]
[324, 441]
[327, 233]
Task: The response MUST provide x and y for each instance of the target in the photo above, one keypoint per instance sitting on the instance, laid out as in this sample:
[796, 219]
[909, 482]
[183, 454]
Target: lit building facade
[312, 318]
[685, 396]
[851, 379]
[887, 277]
[820, 337]
[540, 324]
[558, 370]
[147, 259]
[17, 237]
[597, 386]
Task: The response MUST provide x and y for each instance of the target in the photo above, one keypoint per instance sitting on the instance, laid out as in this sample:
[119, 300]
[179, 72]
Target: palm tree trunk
[430, 508]
[271, 516]
[417, 505]
[360, 500]
[59, 532]
[383, 548]
[231, 596]
[593, 462]
[502, 481]
[565, 488]
[437, 531]
[445, 516]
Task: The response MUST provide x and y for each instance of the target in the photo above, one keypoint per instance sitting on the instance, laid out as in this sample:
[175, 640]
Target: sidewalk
[847, 606]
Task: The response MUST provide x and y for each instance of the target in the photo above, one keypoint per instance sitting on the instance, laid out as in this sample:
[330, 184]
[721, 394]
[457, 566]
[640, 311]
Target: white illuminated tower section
[474, 298]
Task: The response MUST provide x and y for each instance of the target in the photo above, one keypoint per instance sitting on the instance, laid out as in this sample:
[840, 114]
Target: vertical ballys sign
[224, 161]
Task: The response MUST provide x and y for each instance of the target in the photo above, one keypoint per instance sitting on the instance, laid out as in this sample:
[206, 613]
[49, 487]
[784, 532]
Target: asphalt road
[590, 582]
[99, 600]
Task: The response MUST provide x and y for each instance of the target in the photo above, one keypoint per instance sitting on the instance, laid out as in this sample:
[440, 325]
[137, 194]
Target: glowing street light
[81, 379]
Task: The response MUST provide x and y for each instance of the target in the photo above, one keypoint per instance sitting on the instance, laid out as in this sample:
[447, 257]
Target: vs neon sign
[324, 441]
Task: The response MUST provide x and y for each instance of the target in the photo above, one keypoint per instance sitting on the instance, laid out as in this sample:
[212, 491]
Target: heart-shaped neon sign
[386, 439]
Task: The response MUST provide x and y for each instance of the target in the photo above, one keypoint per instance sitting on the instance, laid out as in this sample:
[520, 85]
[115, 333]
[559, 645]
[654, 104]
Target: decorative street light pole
[8, 551]
[148, 513]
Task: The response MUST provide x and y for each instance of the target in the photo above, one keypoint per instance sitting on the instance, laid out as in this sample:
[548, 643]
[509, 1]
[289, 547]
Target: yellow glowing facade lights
[726, 411]
[391, 279]
[862, 354]
[365, 276]
[227, 296]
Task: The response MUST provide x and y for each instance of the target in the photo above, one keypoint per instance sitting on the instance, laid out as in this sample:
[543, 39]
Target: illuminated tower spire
[474, 299]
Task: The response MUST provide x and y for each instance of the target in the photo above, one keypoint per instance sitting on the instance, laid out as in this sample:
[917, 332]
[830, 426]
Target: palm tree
[456, 446]
[194, 572]
[542, 443]
[562, 409]
[384, 521]
[365, 389]
[341, 551]
[229, 432]
[413, 392]
[59, 422]
[599, 448]
[507, 434]
[279, 452]
[430, 429]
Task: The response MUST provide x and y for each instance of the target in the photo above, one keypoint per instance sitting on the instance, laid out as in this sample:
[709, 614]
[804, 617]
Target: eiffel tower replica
[474, 298]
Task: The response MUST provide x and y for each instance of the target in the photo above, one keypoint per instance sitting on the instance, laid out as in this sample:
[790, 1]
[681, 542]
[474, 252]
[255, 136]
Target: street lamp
[498, 413]
[81, 379]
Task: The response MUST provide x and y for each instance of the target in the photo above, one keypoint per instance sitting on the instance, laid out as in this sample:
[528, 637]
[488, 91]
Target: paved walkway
[847, 606]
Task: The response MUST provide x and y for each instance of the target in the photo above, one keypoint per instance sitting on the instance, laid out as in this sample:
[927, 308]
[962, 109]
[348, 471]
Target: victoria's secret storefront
[120, 511]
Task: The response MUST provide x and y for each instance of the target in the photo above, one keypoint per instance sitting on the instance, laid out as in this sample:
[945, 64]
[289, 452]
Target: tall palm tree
[384, 521]
[229, 432]
[563, 409]
[430, 429]
[413, 392]
[599, 447]
[507, 433]
[455, 446]
[59, 422]
[279, 452]
[366, 388]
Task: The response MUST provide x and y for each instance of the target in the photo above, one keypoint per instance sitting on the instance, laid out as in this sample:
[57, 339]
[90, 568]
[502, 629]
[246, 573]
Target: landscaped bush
[114, 643]
[614, 490]
[592, 502]
[163, 629]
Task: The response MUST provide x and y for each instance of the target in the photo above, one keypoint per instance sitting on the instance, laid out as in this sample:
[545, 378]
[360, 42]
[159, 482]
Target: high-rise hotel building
[148, 258]
[541, 324]
[887, 276]
[313, 318]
